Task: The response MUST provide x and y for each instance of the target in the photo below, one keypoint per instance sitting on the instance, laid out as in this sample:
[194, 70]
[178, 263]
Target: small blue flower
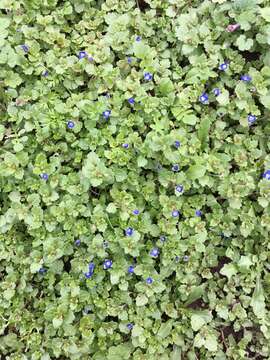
[245, 78]
[88, 275]
[266, 175]
[204, 98]
[131, 101]
[148, 76]
[45, 73]
[185, 258]
[251, 119]
[177, 258]
[154, 252]
[90, 272]
[223, 66]
[129, 231]
[138, 38]
[106, 114]
[177, 144]
[42, 270]
[175, 213]
[130, 326]
[162, 238]
[149, 280]
[44, 176]
[91, 267]
[107, 264]
[179, 188]
[78, 242]
[70, 124]
[198, 213]
[82, 54]
[216, 91]
[175, 167]
[131, 269]
[136, 212]
[25, 48]
[125, 146]
[129, 60]
[90, 58]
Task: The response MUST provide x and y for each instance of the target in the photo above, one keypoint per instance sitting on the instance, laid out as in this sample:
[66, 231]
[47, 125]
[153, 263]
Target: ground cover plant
[135, 179]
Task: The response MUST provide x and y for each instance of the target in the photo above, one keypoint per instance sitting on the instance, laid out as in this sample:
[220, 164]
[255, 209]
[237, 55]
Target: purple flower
[90, 58]
[70, 124]
[216, 91]
[177, 144]
[154, 252]
[130, 326]
[232, 27]
[106, 114]
[245, 78]
[175, 213]
[125, 145]
[131, 269]
[149, 280]
[148, 76]
[223, 66]
[129, 60]
[162, 238]
[25, 48]
[138, 38]
[131, 101]
[82, 54]
[179, 188]
[78, 242]
[185, 258]
[44, 176]
[136, 212]
[204, 98]
[129, 231]
[198, 213]
[42, 270]
[266, 175]
[175, 167]
[107, 264]
[45, 73]
[251, 119]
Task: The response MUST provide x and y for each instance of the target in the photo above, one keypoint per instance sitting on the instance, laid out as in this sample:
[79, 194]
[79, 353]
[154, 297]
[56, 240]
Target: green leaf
[137, 331]
[141, 300]
[199, 319]
[211, 343]
[165, 329]
[243, 43]
[4, 23]
[258, 300]
[57, 322]
[196, 172]
[190, 119]
[111, 208]
[13, 79]
[265, 12]
[141, 50]
[195, 294]
[223, 98]
[228, 270]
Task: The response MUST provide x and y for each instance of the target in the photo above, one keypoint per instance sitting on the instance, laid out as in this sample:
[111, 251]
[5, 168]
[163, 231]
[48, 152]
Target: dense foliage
[135, 179]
